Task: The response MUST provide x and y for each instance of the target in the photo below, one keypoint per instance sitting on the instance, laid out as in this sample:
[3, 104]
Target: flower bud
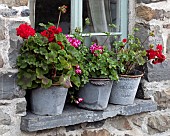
[152, 34]
[151, 46]
[80, 99]
[78, 71]
[77, 67]
[87, 21]
[63, 9]
[77, 102]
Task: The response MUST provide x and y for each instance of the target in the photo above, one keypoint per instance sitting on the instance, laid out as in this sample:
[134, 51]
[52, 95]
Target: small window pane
[47, 11]
[101, 14]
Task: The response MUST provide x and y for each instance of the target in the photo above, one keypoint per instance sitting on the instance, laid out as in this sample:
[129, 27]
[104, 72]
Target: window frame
[77, 13]
[121, 21]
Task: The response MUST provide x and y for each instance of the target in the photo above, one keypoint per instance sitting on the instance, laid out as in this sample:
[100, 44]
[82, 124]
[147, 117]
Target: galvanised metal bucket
[96, 94]
[124, 90]
[48, 101]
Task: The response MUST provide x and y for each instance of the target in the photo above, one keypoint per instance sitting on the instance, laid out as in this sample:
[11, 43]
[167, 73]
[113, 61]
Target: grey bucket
[124, 91]
[96, 94]
[48, 101]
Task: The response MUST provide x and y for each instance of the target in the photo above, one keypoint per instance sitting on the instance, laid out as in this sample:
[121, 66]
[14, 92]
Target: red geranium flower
[25, 30]
[151, 54]
[50, 32]
[159, 47]
[124, 40]
[160, 56]
[55, 30]
[59, 30]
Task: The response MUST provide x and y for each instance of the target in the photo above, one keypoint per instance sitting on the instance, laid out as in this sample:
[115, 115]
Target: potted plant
[131, 54]
[47, 66]
[100, 69]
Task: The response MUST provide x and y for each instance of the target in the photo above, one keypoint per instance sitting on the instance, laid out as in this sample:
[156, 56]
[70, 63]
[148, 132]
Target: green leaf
[43, 51]
[25, 78]
[46, 83]
[40, 72]
[64, 80]
[51, 57]
[76, 80]
[43, 25]
[54, 47]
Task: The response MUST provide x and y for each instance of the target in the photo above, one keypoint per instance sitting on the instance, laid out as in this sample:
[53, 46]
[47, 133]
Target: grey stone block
[3, 131]
[9, 88]
[2, 29]
[13, 52]
[144, 1]
[21, 107]
[4, 118]
[143, 33]
[8, 12]
[73, 115]
[158, 72]
[25, 13]
[15, 43]
[149, 1]
[1, 61]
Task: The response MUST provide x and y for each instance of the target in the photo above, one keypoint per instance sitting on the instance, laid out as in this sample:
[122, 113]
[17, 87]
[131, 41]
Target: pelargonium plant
[131, 53]
[48, 58]
[98, 62]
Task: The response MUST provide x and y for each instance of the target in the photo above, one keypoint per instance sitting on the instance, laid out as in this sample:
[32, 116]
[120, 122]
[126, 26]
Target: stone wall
[144, 14]
[12, 101]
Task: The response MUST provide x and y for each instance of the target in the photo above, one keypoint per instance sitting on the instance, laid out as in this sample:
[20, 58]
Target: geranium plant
[48, 58]
[98, 62]
[131, 53]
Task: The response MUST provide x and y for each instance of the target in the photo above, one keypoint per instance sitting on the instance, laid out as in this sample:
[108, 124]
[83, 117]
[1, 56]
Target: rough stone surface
[9, 120]
[21, 107]
[168, 46]
[148, 90]
[2, 29]
[149, 1]
[12, 3]
[159, 14]
[9, 88]
[15, 43]
[163, 99]
[4, 118]
[143, 33]
[8, 12]
[73, 115]
[158, 72]
[102, 132]
[158, 123]
[121, 123]
[138, 120]
[167, 26]
[145, 12]
[1, 61]
[25, 13]
[3, 131]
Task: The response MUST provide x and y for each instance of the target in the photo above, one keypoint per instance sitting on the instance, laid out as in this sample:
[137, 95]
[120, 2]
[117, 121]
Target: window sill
[73, 115]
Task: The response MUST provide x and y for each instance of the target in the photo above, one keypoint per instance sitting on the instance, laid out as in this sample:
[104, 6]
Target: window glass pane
[47, 11]
[101, 14]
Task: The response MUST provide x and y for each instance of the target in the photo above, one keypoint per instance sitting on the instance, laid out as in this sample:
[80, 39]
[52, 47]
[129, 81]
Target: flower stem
[59, 19]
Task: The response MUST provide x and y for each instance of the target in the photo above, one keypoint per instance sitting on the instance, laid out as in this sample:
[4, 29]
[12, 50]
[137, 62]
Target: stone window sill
[73, 115]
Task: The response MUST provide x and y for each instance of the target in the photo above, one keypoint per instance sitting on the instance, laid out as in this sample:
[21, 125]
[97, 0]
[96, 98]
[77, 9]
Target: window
[101, 12]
